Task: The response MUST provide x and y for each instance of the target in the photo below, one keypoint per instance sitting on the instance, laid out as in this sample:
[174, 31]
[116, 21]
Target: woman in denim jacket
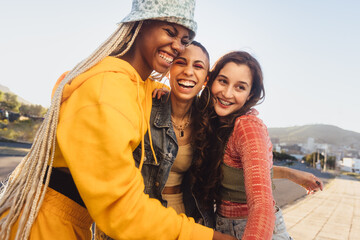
[168, 180]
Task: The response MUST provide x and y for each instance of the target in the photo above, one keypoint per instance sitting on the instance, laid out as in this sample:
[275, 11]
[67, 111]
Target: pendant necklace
[181, 128]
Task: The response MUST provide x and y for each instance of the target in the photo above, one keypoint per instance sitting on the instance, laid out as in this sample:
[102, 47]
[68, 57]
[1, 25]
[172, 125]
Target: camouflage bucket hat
[176, 11]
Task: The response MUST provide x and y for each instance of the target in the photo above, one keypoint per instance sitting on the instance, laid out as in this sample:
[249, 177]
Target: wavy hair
[212, 133]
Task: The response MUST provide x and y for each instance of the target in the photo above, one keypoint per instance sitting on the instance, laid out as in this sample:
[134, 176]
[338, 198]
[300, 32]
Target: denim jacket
[166, 148]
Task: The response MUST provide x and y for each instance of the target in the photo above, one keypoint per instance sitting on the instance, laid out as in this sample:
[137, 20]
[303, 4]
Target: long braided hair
[23, 192]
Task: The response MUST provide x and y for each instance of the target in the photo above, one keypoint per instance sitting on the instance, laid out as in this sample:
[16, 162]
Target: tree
[310, 159]
[315, 156]
[10, 102]
[331, 162]
[283, 156]
[32, 110]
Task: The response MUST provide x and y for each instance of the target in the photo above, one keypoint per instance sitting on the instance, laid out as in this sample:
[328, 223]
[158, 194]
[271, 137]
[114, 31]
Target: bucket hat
[176, 11]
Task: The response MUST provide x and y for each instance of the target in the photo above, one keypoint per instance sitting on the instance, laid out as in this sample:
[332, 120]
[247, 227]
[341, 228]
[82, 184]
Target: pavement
[286, 192]
[13, 149]
[11, 153]
[7, 165]
[331, 214]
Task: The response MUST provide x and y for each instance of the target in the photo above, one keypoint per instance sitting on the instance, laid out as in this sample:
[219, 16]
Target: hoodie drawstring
[142, 124]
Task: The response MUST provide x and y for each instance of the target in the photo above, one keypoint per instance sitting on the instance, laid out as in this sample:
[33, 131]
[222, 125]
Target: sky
[309, 50]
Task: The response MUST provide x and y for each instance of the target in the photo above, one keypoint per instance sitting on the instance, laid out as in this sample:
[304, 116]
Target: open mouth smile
[223, 102]
[168, 58]
[186, 83]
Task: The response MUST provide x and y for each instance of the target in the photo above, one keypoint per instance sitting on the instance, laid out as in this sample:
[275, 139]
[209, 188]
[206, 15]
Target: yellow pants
[59, 218]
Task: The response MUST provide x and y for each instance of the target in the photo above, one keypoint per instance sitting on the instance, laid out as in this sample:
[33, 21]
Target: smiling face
[231, 88]
[158, 44]
[188, 73]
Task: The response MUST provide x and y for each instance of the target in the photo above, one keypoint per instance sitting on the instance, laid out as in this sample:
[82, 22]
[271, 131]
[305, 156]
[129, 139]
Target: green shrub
[23, 131]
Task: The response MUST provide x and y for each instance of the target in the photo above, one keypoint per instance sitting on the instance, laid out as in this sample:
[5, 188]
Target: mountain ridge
[20, 99]
[322, 133]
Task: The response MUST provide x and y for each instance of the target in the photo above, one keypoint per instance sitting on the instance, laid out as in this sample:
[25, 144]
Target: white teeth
[223, 102]
[167, 59]
[187, 83]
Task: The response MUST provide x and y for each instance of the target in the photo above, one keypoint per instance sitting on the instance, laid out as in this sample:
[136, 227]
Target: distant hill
[320, 132]
[20, 99]
[294, 135]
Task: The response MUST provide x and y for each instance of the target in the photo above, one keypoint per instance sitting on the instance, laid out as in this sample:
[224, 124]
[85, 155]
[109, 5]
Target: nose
[177, 46]
[227, 92]
[189, 71]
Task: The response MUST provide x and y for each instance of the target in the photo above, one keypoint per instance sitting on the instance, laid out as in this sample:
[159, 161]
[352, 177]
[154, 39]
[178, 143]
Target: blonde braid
[24, 191]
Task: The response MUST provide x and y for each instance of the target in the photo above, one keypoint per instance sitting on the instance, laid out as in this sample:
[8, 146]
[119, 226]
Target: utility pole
[314, 160]
[318, 158]
[325, 158]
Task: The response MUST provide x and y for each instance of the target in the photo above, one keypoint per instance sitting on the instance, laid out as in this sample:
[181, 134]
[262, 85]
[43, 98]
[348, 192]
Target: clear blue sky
[309, 49]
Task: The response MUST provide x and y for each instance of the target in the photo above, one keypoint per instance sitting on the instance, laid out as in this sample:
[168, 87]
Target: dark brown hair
[211, 134]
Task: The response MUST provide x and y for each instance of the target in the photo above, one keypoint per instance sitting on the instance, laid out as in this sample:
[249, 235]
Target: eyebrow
[182, 58]
[176, 30]
[196, 61]
[173, 27]
[221, 75]
[200, 61]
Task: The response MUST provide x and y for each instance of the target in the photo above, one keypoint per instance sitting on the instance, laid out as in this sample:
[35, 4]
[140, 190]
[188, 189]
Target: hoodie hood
[106, 65]
[112, 64]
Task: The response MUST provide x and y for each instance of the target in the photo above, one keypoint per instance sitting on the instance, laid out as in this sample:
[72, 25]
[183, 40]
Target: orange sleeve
[255, 149]
[58, 82]
[160, 85]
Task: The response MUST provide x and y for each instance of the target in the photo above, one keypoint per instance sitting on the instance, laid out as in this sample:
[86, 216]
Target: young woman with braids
[166, 178]
[234, 153]
[80, 168]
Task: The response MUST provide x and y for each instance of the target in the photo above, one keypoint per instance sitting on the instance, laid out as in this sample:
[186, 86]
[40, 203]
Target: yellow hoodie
[100, 124]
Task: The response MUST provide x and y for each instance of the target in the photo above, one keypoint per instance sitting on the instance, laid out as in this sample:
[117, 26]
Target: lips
[167, 57]
[186, 83]
[224, 102]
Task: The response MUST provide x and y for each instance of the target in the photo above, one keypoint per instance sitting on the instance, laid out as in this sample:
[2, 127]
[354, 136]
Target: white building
[310, 145]
[357, 165]
[351, 165]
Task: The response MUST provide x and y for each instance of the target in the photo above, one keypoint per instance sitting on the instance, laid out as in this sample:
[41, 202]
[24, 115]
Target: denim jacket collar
[163, 113]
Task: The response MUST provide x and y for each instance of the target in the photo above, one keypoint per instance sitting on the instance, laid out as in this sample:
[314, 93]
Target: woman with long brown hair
[234, 151]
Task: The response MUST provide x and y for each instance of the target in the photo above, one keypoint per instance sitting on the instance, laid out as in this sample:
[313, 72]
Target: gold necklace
[181, 128]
